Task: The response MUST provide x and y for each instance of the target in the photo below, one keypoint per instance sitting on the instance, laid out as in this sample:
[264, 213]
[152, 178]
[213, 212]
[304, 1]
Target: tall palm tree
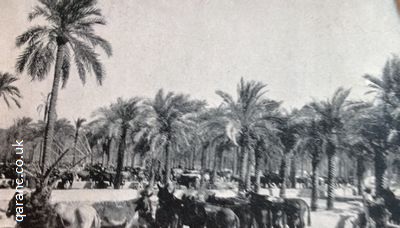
[169, 122]
[248, 115]
[287, 138]
[8, 90]
[310, 141]
[355, 142]
[387, 89]
[69, 33]
[330, 113]
[124, 116]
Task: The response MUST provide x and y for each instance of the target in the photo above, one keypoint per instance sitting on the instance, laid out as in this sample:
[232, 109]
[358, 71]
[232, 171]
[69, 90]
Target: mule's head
[165, 194]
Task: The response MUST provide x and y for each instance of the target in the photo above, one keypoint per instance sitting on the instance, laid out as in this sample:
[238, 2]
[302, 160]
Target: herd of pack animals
[254, 128]
[196, 207]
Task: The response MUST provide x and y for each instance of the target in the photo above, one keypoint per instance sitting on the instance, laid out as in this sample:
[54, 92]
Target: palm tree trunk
[133, 160]
[380, 167]
[152, 171]
[331, 176]
[314, 185]
[214, 173]
[293, 168]
[257, 168]
[192, 157]
[120, 158]
[250, 162]
[283, 175]
[235, 163]
[360, 174]
[52, 116]
[203, 164]
[167, 166]
[243, 168]
[109, 147]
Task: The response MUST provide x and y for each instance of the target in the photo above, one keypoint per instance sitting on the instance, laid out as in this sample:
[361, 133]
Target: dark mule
[170, 208]
[295, 210]
[220, 217]
[194, 213]
[392, 204]
[240, 206]
[267, 211]
[145, 209]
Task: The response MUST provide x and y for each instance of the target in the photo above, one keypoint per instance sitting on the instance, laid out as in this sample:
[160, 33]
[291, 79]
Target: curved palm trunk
[380, 167]
[120, 158]
[52, 116]
[331, 176]
[314, 185]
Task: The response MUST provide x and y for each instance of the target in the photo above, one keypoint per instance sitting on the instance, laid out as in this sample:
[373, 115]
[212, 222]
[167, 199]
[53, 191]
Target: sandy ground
[320, 219]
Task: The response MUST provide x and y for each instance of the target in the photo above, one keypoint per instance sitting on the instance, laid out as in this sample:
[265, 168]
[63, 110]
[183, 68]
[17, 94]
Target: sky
[300, 49]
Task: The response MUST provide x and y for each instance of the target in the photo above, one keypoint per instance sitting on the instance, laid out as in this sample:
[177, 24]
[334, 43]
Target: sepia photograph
[200, 114]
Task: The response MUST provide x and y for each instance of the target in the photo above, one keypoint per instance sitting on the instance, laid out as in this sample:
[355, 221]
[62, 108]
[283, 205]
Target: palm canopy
[251, 114]
[170, 117]
[330, 113]
[387, 86]
[70, 23]
[110, 120]
[8, 90]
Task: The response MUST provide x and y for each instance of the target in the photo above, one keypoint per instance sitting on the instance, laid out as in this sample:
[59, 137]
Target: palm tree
[78, 124]
[169, 122]
[248, 116]
[330, 113]
[310, 141]
[287, 137]
[124, 115]
[387, 89]
[355, 142]
[8, 90]
[69, 33]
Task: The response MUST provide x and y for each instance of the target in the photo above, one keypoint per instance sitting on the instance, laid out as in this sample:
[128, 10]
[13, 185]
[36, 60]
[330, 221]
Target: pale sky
[301, 49]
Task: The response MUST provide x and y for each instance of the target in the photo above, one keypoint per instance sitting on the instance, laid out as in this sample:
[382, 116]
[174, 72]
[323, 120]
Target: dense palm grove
[337, 140]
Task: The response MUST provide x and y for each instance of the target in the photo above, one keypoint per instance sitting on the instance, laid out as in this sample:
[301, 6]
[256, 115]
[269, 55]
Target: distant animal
[188, 180]
[273, 179]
